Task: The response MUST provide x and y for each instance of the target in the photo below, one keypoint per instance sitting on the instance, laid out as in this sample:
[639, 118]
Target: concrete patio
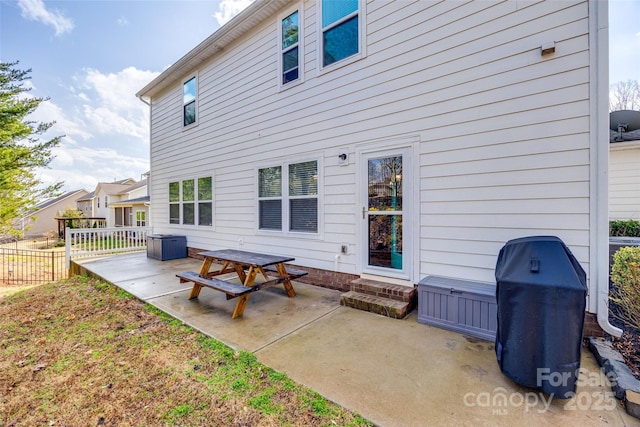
[392, 372]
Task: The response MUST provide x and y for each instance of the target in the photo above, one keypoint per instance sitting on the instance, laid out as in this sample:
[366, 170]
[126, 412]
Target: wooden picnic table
[247, 266]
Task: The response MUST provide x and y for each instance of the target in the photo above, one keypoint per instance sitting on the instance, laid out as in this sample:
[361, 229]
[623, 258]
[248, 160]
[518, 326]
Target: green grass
[83, 352]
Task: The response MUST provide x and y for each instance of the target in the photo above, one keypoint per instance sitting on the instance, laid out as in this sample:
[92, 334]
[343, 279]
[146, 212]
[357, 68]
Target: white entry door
[386, 225]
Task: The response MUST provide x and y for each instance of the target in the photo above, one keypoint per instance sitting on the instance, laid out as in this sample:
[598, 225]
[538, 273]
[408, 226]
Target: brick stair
[395, 301]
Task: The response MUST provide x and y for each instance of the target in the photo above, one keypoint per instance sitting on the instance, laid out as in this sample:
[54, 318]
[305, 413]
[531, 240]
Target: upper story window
[106, 201]
[340, 30]
[290, 47]
[191, 201]
[189, 101]
[290, 203]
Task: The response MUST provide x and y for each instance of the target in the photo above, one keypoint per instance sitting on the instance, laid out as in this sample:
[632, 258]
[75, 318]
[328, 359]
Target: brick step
[380, 305]
[385, 290]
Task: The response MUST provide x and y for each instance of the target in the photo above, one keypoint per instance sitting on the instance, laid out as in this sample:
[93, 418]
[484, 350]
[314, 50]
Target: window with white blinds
[289, 204]
[270, 198]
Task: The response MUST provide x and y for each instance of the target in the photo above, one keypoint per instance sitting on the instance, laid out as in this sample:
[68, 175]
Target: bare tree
[624, 96]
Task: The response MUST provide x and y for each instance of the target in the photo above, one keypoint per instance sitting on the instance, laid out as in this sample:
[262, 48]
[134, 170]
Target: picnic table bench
[246, 265]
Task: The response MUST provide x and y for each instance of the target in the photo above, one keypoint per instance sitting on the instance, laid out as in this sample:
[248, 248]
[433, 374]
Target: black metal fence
[24, 267]
[37, 243]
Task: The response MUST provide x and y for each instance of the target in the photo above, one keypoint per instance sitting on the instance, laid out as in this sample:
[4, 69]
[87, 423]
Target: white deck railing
[86, 242]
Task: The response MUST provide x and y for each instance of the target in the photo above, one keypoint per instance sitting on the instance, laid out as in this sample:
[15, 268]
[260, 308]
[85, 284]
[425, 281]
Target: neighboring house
[107, 192]
[42, 220]
[624, 174]
[133, 206]
[86, 205]
[389, 140]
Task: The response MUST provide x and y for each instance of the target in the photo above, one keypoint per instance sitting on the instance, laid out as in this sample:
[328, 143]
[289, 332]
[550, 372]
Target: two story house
[119, 203]
[42, 220]
[132, 206]
[389, 140]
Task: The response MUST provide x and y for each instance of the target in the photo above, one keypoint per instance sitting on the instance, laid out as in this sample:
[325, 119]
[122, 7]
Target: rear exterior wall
[499, 133]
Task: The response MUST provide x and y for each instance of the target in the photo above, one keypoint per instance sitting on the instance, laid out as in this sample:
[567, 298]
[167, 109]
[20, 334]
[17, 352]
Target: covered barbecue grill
[541, 297]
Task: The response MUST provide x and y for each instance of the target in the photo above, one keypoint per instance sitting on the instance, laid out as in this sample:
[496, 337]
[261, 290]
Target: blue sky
[90, 57]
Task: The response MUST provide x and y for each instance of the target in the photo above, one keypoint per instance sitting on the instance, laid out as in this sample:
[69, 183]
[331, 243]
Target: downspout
[148, 204]
[599, 157]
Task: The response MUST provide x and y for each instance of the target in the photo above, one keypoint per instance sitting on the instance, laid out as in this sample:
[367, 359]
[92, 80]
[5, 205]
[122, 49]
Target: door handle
[363, 212]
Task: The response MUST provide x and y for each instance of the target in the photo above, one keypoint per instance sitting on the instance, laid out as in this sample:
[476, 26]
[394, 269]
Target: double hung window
[340, 30]
[290, 47]
[289, 203]
[189, 101]
[141, 218]
[191, 202]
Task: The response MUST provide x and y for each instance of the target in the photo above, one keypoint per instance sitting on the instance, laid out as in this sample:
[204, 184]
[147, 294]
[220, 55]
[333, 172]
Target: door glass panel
[385, 212]
[385, 184]
[385, 241]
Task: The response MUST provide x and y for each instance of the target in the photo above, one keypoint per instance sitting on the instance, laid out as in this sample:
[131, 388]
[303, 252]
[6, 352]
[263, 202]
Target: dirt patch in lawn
[82, 352]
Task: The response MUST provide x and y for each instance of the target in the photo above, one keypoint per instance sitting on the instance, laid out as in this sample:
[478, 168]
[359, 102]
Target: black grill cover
[541, 296]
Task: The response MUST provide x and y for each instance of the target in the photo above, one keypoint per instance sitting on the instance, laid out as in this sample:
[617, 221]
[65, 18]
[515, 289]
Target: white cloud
[35, 10]
[110, 105]
[122, 21]
[84, 167]
[230, 8]
[72, 127]
[105, 128]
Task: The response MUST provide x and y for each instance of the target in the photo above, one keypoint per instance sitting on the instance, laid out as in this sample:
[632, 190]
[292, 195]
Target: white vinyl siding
[624, 181]
[502, 132]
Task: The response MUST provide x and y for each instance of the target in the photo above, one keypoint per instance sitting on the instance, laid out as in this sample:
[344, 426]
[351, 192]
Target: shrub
[625, 275]
[629, 228]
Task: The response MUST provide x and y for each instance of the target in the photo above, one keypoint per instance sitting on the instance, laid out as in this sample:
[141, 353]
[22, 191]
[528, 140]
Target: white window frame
[196, 202]
[362, 53]
[199, 201]
[300, 45]
[196, 101]
[285, 231]
[141, 222]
